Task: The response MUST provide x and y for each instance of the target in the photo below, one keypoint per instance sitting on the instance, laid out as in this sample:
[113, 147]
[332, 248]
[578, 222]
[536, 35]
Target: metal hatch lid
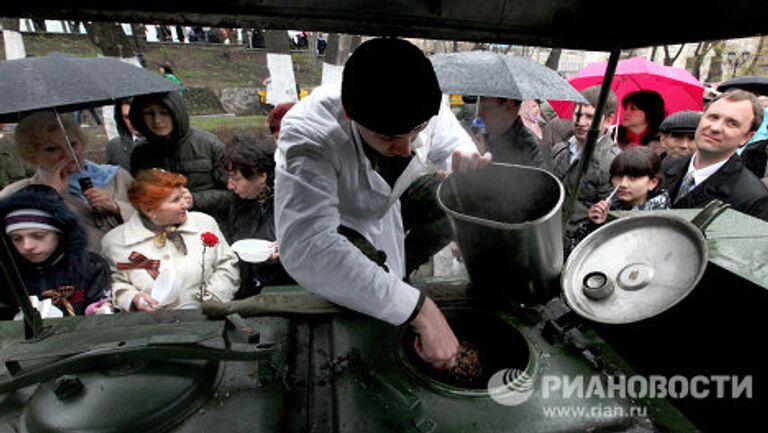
[149, 397]
[634, 268]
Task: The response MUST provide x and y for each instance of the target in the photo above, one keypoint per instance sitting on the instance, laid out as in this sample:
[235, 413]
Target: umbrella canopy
[751, 83]
[70, 83]
[482, 73]
[679, 89]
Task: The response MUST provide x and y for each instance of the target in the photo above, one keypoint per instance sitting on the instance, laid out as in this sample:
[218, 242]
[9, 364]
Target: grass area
[212, 123]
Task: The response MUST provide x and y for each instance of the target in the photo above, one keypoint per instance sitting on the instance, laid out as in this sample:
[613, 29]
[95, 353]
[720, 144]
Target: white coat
[221, 273]
[323, 180]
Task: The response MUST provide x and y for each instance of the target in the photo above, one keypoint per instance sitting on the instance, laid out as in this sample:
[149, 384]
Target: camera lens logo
[510, 387]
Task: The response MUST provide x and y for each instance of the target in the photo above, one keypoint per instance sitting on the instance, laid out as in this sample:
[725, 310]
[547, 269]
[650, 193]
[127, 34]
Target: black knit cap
[681, 122]
[389, 86]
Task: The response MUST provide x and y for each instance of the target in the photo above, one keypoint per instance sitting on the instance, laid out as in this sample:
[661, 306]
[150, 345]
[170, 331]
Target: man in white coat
[344, 159]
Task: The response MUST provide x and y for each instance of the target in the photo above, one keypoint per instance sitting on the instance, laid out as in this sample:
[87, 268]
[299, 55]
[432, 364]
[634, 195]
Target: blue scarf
[100, 175]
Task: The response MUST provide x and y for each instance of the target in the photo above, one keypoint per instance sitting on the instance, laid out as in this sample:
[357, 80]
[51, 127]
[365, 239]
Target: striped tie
[686, 186]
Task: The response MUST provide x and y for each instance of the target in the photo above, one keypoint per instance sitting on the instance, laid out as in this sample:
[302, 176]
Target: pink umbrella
[679, 89]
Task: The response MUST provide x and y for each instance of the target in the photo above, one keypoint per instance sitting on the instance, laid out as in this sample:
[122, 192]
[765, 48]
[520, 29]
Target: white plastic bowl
[253, 250]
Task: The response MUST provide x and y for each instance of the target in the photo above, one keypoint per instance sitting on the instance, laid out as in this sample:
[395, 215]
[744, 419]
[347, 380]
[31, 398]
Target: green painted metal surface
[736, 242]
[345, 373]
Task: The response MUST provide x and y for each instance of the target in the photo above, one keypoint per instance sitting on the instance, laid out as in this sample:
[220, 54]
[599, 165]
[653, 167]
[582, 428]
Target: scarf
[165, 233]
[100, 175]
[634, 139]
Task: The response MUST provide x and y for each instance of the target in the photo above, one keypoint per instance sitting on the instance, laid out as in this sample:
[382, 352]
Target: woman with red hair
[165, 256]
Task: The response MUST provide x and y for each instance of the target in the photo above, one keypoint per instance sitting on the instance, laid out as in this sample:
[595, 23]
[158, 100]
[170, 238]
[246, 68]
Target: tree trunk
[139, 32]
[339, 47]
[40, 26]
[553, 59]
[716, 65]
[110, 39]
[669, 59]
[761, 46]
[276, 41]
[9, 24]
[697, 60]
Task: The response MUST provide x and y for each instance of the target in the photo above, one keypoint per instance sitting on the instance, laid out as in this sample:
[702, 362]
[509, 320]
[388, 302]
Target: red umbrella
[679, 89]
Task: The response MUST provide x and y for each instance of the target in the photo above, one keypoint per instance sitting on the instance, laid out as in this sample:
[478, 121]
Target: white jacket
[323, 180]
[221, 273]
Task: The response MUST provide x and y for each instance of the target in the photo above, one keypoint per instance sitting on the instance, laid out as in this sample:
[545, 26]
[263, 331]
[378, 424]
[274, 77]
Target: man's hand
[435, 342]
[467, 160]
[143, 302]
[598, 213]
[100, 199]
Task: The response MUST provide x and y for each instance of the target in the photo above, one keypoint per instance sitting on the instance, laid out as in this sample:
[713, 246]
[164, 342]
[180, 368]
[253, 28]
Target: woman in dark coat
[171, 144]
[49, 247]
[251, 176]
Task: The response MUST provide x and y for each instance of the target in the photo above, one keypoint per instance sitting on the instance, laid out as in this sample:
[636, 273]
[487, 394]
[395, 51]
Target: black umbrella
[752, 84]
[69, 83]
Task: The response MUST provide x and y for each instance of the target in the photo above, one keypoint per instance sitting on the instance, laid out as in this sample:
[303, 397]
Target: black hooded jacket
[250, 220]
[70, 265]
[187, 151]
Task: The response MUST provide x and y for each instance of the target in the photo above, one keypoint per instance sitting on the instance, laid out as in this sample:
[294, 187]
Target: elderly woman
[251, 176]
[164, 256]
[41, 143]
[48, 247]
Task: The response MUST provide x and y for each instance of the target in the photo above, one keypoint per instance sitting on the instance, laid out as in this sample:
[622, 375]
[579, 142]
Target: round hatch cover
[151, 397]
[648, 263]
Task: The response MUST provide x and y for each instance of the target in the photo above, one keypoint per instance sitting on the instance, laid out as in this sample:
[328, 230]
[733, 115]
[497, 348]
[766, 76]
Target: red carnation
[209, 239]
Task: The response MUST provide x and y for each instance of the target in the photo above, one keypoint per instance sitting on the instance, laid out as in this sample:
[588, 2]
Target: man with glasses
[355, 179]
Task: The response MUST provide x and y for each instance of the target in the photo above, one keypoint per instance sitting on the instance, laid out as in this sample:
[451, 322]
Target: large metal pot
[506, 219]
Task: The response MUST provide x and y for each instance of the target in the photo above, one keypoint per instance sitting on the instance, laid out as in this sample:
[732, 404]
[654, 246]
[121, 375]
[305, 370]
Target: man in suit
[714, 171]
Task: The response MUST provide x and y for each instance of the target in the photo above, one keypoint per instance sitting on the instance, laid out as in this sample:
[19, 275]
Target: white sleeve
[312, 251]
[446, 135]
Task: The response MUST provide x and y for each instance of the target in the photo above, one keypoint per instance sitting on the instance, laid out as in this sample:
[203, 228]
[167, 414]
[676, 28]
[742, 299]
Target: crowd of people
[347, 193]
[144, 235]
[645, 160]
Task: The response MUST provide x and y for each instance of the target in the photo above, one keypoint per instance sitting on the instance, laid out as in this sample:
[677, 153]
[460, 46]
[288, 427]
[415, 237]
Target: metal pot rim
[501, 225]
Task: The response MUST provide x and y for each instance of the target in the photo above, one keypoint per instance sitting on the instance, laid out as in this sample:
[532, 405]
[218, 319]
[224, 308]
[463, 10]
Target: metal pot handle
[710, 212]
